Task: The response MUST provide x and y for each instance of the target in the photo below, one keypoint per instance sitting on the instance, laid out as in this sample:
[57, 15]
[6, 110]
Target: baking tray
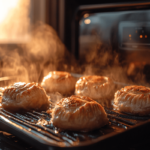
[122, 129]
[35, 129]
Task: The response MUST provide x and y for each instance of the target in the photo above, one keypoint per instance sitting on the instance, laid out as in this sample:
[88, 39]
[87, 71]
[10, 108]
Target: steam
[101, 60]
[55, 97]
[45, 51]
[34, 51]
[28, 52]
[14, 21]
[99, 44]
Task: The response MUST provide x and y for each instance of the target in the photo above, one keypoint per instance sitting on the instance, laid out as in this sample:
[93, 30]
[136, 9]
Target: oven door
[114, 40]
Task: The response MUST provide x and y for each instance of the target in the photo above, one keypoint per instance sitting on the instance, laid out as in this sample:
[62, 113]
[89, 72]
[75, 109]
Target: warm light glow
[46, 77]
[129, 35]
[10, 122]
[14, 21]
[87, 21]
[145, 36]
[19, 83]
[141, 36]
[136, 31]
[86, 15]
[79, 81]
[5, 7]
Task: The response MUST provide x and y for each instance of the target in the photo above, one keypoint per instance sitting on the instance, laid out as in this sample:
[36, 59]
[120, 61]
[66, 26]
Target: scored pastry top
[25, 96]
[78, 113]
[99, 88]
[133, 99]
[59, 81]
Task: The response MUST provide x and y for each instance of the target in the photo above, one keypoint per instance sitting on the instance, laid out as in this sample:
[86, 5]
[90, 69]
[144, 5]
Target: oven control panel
[134, 35]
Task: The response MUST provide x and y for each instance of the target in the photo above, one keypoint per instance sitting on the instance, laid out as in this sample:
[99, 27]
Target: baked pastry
[133, 99]
[25, 96]
[99, 88]
[78, 113]
[59, 81]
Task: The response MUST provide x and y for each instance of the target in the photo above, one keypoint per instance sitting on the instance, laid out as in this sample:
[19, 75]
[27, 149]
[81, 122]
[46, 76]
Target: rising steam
[29, 53]
[101, 60]
[14, 21]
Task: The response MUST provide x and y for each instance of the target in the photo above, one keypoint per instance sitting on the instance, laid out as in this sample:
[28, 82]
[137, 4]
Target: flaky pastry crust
[133, 99]
[25, 97]
[59, 81]
[99, 88]
[79, 113]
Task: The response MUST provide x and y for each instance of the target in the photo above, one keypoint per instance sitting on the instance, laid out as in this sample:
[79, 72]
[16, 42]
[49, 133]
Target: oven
[113, 39]
[83, 38]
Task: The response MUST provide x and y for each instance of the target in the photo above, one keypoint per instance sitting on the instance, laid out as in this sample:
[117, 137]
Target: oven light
[5, 8]
[129, 35]
[141, 36]
[145, 36]
[87, 21]
[86, 15]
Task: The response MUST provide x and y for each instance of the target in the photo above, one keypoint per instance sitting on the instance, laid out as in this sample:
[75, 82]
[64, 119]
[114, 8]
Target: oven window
[123, 30]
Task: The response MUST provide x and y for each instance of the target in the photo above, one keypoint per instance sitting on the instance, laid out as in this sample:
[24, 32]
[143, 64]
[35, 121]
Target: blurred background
[38, 36]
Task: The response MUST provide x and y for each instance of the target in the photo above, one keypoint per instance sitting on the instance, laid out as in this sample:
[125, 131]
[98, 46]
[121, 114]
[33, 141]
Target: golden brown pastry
[59, 81]
[99, 88]
[79, 113]
[133, 100]
[25, 96]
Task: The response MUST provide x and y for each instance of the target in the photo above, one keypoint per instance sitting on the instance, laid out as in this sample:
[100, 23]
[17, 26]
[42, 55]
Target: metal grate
[39, 125]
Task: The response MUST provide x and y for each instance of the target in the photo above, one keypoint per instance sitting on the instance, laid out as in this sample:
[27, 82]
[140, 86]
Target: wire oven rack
[36, 129]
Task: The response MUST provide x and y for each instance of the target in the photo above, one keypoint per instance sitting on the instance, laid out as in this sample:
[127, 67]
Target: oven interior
[110, 40]
[113, 40]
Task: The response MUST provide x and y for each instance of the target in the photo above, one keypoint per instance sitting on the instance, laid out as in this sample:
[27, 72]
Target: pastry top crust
[59, 81]
[25, 96]
[97, 80]
[133, 99]
[99, 88]
[79, 113]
